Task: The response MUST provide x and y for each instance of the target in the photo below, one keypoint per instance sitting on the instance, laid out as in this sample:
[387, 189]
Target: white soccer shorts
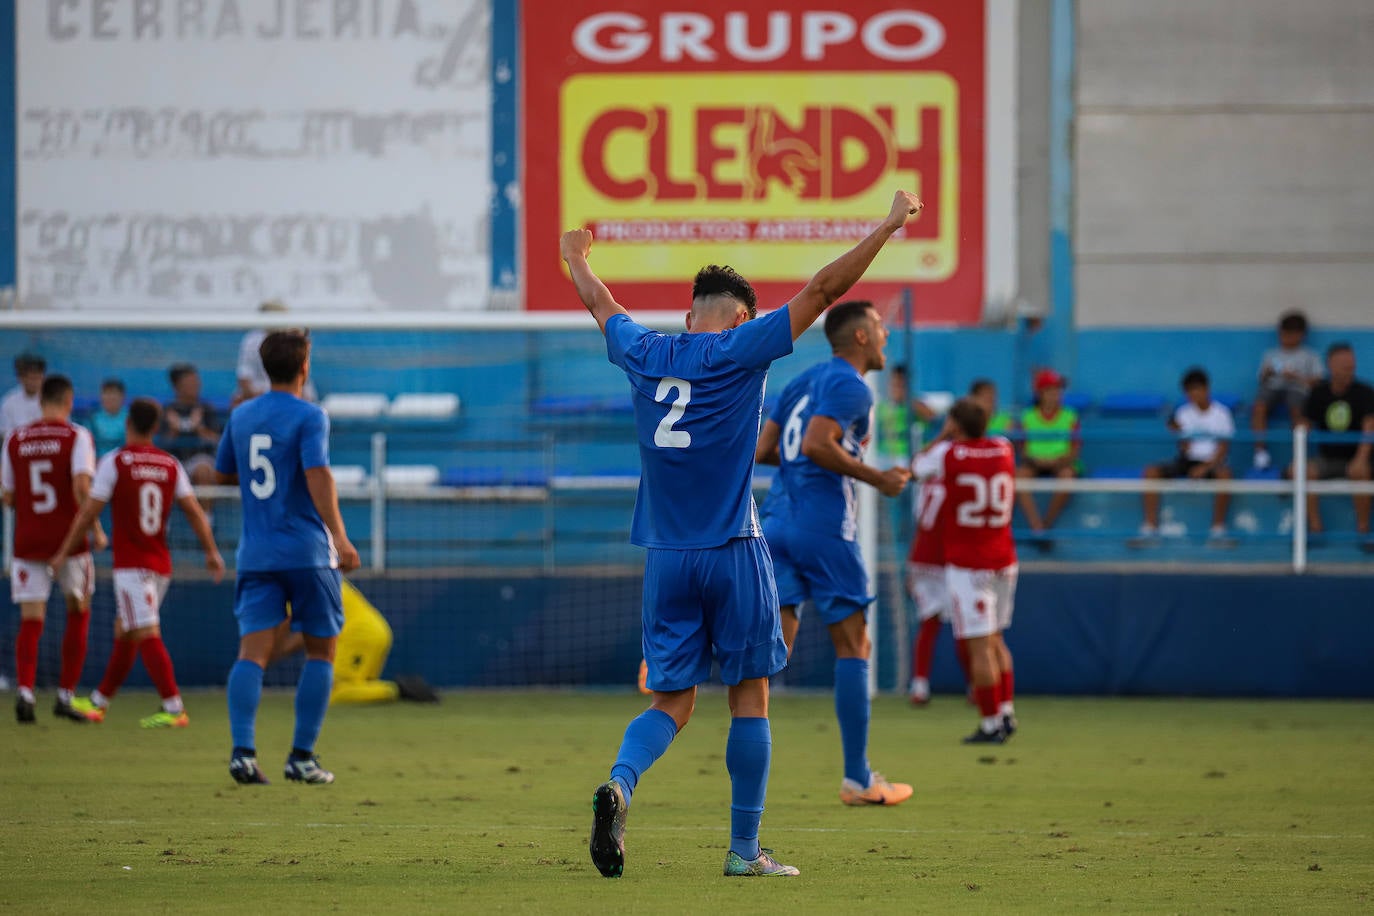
[981, 600]
[927, 587]
[138, 597]
[31, 581]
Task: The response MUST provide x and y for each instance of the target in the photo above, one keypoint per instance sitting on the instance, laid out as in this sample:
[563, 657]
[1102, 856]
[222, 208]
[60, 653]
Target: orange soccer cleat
[879, 791]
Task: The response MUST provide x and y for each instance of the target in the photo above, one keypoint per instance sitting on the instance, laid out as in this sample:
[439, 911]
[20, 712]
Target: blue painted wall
[1190, 635]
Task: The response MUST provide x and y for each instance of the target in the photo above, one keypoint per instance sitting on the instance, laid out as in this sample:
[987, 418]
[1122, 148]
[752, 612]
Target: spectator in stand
[983, 392]
[1286, 376]
[20, 406]
[1051, 448]
[1341, 404]
[107, 424]
[1205, 429]
[252, 377]
[190, 425]
[895, 419]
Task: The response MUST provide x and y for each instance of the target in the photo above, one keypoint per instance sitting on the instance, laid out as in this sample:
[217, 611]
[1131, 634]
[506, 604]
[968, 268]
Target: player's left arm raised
[576, 246]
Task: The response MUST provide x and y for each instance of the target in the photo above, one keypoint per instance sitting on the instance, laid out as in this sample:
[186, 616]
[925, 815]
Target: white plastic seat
[349, 475]
[428, 406]
[361, 405]
[410, 475]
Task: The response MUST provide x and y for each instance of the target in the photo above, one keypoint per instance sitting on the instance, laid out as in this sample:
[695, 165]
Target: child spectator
[1286, 375]
[107, 425]
[20, 406]
[1205, 429]
[1051, 448]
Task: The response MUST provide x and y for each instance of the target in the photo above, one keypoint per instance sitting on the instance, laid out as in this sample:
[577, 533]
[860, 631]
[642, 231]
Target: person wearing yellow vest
[1051, 447]
[898, 414]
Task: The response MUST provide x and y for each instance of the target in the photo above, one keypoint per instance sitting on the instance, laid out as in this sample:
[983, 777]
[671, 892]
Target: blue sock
[312, 699]
[748, 752]
[245, 691]
[851, 708]
[646, 738]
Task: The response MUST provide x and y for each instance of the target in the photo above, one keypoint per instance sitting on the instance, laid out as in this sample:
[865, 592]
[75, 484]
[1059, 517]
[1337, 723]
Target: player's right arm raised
[834, 279]
[575, 246]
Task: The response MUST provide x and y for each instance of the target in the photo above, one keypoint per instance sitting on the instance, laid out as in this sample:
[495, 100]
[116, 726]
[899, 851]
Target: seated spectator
[983, 392]
[1341, 404]
[896, 426]
[1286, 375]
[1205, 429]
[1052, 446]
[20, 406]
[107, 424]
[190, 426]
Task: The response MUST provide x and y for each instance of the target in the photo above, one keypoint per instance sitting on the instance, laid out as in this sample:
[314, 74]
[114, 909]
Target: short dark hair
[179, 372]
[284, 353]
[714, 280]
[1293, 321]
[840, 320]
[55, 389]
[29, 362]
[1194, 377]
[970, 417]
[144, 414]
[112, 384]
[900, 371]
[981, 384]
[1340, 346]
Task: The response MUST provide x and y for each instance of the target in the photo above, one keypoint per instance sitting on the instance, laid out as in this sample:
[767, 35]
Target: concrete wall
[1223, 162]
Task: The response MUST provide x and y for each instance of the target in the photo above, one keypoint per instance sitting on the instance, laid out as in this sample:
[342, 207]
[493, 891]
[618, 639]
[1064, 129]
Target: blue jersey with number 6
[824, 500]
[270, 442]
[698, 399]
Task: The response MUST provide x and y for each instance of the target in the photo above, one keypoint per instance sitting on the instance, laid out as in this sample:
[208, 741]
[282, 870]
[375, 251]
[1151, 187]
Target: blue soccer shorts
[715, 602]
[260, 600]
[824, 568]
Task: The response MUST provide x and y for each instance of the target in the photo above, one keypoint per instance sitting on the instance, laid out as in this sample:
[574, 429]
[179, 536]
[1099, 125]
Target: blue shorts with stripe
[824, 568]
[714, 602]
[260, 600]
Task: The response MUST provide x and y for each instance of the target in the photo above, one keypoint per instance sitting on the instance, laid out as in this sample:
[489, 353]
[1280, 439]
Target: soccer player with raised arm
[817, 435]
[45, 475]
[978, 473]
[276, 448]
[140, 482]
[708, 581]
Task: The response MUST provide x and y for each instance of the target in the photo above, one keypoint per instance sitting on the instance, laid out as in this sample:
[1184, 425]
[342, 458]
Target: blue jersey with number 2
[270, 442]
[698, 399]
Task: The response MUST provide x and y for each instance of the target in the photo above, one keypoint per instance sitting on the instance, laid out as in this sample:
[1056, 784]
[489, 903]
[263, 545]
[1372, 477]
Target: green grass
[482, 804]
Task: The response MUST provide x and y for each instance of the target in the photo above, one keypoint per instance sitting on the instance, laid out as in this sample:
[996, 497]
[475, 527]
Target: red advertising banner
[770, 139]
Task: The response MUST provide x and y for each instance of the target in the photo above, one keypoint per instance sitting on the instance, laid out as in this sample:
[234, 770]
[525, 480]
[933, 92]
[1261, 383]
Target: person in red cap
[1051, 447]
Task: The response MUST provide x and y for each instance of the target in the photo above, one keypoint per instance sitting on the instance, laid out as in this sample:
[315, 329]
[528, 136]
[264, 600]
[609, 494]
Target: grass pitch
[482, 804]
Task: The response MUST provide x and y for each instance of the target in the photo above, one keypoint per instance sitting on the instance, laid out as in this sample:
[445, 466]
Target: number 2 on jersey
[990, 495]
[665, 436]
[257, 461]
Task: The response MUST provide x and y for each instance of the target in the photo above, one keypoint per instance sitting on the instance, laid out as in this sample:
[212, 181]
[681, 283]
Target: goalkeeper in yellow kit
[361, 652]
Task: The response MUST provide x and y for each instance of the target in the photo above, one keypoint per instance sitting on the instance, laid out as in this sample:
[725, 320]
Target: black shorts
[1331, 467]
[1181, 466]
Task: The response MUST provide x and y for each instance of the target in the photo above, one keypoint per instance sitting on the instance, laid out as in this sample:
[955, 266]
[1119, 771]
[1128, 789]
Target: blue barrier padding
[1132, 403]
[1078, 400]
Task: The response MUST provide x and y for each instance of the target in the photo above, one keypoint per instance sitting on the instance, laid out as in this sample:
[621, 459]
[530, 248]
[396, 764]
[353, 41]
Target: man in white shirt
[1205, 429]
[252, 377]
[20, 406]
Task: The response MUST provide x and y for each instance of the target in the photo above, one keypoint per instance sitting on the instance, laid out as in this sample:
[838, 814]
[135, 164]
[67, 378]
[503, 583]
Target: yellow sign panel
[651, 163]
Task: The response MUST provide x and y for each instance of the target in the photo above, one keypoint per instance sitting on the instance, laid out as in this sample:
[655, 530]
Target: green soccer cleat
[92, 712]
[765, 866]
[165, 719]
[65, 711]
[608, 829]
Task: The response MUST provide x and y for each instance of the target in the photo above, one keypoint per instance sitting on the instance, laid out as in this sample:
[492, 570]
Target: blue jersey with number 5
[698, 399]
[270, 442]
